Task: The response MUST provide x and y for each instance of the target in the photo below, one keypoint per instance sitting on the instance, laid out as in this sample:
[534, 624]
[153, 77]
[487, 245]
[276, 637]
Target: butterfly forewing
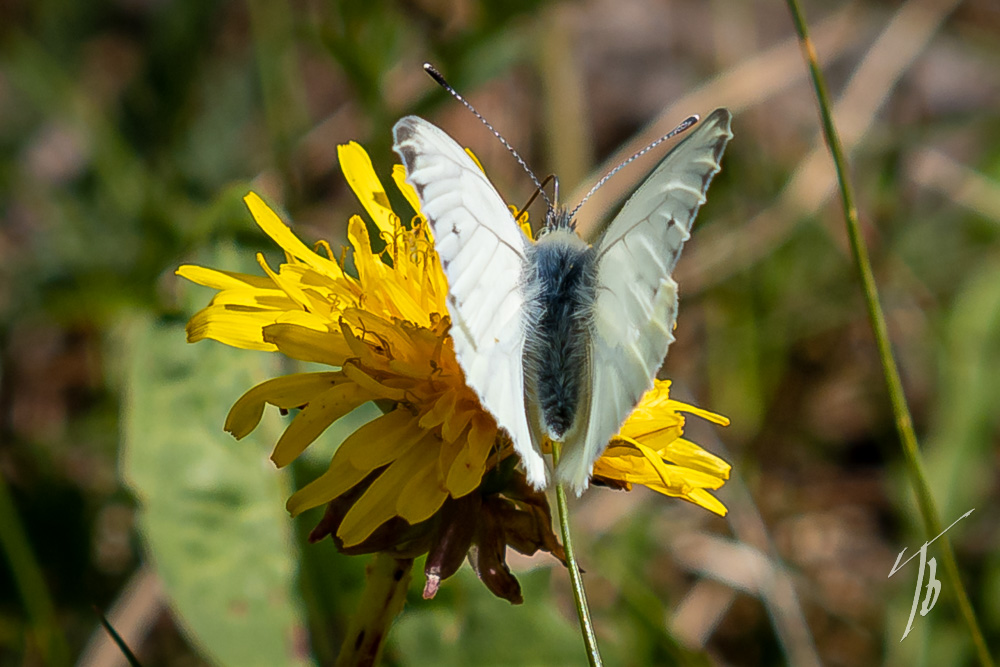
[636, 303]
[488, 264]
[482, 252]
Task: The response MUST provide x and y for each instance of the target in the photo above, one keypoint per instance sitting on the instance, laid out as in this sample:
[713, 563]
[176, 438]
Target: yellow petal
[381, 440]
[303, 319]
[707, 500]
[458, 418]
[243, 329]
[335, 481]
[401, 302]
[378, 503]
[221, 279]
[255, 299]
[287, 392]
[674, 479]
[357, 346]
[656, 463]
[444, 405]
[422, 495]
[322, 295]
[450, 449]
[525, 226]
[304, 344]
[312, 420]
[698, 496]
[688, 454]
[665, 430]
[371, 385]
[370, 267]
[289, 287]
[372, 446]
[704, 414]
[384, 332]
[272, 225]
[467, 470]
[360, 175]
[479, 164]
[399, 175]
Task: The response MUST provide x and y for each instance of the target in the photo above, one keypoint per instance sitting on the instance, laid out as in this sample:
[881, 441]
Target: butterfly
[559, 338]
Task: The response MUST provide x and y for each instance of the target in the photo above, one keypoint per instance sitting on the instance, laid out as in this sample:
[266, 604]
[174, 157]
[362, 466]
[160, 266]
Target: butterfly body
[560, 289]
[559, 338]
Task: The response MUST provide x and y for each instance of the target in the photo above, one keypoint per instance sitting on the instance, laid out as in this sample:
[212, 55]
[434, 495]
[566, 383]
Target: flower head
[433, 474]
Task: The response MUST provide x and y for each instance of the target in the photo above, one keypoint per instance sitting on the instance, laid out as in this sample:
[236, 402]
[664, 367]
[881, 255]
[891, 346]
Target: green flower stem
[904, 423]
[385, 591]
[44, 630]
[579, 594]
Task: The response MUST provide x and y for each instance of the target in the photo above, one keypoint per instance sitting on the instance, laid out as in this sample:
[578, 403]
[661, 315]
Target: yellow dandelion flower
[386, 332]
[650, 451]
[403, 482]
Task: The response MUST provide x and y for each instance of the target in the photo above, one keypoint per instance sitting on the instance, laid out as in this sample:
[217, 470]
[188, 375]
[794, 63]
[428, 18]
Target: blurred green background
[130, 130]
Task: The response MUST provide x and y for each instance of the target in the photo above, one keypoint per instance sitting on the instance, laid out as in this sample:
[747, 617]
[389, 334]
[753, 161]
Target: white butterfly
[559, 338]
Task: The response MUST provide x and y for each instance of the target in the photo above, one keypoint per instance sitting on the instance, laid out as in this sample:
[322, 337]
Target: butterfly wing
[482, 251]
[636, 303]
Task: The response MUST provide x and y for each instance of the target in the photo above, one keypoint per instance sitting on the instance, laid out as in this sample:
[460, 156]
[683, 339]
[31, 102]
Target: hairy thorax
[559, 285]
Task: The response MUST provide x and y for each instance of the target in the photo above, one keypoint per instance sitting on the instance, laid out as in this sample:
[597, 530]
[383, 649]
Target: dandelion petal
[322, 411]
[290, 391]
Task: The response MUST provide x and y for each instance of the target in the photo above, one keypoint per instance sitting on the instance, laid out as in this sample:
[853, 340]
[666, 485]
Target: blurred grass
[129, 130]
[42, 629]
[933, 526]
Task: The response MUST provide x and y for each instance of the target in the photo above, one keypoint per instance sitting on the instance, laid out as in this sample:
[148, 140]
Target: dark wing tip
[723, 118]
[405, 128]
[720, 113]
[403, 133]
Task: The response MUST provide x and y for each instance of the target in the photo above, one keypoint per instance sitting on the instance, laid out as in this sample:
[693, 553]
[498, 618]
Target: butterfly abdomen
[560, 289]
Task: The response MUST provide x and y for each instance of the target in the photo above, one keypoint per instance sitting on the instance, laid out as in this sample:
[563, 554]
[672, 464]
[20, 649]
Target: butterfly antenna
[685, 124]
[531, 200]
[439, 78]
[552, 214]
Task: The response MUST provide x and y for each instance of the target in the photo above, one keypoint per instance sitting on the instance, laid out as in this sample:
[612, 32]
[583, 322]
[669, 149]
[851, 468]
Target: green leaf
[211, 509]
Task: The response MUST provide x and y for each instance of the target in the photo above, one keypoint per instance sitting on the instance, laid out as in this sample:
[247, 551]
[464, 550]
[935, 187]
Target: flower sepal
[478, 526]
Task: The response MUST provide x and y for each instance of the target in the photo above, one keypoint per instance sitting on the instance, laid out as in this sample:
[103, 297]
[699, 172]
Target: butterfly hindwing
[636, 302]
[482, 252]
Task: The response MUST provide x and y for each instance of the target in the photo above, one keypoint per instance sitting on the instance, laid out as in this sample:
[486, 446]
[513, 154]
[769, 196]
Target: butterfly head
[558, 217]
